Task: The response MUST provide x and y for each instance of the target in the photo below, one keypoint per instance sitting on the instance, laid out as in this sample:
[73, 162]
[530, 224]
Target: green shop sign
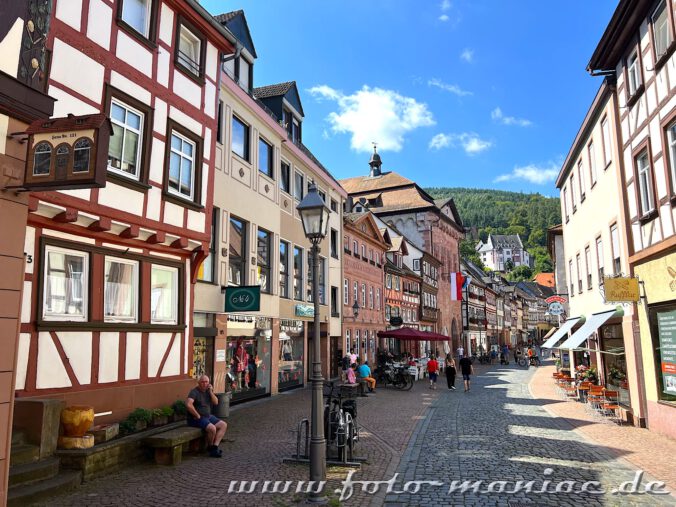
[243, 299]
[305, 311]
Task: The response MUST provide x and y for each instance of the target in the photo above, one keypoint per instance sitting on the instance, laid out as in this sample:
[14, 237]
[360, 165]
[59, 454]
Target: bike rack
[304, 423]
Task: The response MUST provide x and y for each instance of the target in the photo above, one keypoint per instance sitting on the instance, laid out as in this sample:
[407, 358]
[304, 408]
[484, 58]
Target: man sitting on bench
[199, 402]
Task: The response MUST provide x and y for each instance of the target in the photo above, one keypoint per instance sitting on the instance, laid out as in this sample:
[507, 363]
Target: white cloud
[448, 87]
[445, 5]
[467, 55]
[374, 115]
[444, 18]
[497, 115]
[538, 174]
[469, 141]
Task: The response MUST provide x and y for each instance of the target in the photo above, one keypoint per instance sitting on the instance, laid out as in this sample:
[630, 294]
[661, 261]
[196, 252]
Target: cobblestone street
[497, 432]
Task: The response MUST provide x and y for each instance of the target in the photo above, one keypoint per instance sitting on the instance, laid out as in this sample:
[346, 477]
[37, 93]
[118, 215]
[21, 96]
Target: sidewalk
[645, 450]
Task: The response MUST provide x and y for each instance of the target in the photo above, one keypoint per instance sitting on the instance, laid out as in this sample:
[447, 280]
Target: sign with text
[666, 328]
[243, 299]
[304, 310]
[621, 290]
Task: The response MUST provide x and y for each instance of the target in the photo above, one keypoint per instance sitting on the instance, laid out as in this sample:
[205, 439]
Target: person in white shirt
[460, 352]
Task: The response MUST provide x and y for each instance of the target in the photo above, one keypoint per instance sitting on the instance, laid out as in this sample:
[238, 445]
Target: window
[363, 252]
[285, 177]
[237, 252]
[124, 148]
[137, 15]
[322, 279]
[346, 244]
[283, 269]
[416, 264]
[219, 127]
[163, 295]
[263, 248]
[346, 291]
[355, 292]
[66, 284]
[81, 155]
[378, 299]
[265, 158]
[206, 272]
[322, 195]
[244, 74]
[298, 186]
[355, 248]
[357, 342]
[605, 138]
[592, 162]
[182, 166]
[371, 297]
[334, 302]
[388, 312]
[189, 49]
[570, 277]
[298, 273]
[388, 281]
[396, 283]
[599, 258]
[565, 203]
[348, 346]
[334, 243]
[572, 192]
[240, 138]
[661, 29]
[295, 130]
[121, 290]
[580, 176]
[588, 266]
[615, 245]
[363, 295]
[334, 206]
[645, 184]
[633, 73]
[671, 139]
[42, 158]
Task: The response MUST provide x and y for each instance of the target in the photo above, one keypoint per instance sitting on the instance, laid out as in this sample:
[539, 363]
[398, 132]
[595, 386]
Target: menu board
[666, 327]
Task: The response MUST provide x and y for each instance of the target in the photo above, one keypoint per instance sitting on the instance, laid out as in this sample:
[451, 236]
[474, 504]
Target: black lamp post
[355, 310]
[315, 217]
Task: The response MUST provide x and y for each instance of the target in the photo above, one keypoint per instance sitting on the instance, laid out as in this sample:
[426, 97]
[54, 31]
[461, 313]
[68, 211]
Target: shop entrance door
[203, 357]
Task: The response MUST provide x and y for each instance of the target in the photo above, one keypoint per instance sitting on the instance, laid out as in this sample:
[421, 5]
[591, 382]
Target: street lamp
[315, 217]
[355, 309]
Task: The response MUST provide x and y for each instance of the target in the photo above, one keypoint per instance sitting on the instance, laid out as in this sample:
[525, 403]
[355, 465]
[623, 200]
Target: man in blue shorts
[199, 402]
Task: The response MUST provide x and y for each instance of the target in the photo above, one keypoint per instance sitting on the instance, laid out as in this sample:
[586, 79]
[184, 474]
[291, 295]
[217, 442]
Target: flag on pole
[456, 286]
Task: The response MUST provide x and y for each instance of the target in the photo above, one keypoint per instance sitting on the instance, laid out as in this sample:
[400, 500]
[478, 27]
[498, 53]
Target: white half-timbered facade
[108, 290]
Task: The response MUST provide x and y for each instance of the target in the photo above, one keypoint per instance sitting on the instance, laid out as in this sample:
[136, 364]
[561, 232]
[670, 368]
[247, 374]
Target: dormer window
[241, 71]
[295, 131]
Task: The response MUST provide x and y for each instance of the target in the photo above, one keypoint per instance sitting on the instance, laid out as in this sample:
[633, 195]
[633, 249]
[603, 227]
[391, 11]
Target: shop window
[263, 247]
[291, 354]
[298, 273]
[164, 295]
[121, 290]
[237, 252]
[66, 284]
[249, 356]
[284, 269]
[662, 324]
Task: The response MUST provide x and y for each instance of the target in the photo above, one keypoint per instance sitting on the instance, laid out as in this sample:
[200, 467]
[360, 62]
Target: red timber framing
[118, 366]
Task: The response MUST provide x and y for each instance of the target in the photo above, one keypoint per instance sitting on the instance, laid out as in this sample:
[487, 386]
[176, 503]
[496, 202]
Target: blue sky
[472, 93]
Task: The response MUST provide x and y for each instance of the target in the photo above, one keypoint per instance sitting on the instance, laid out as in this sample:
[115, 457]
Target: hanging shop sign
[243, 299]
[621, 290]
[555, 305]
[396, 321]
[67, 153]
[304, 311]
[666, 328]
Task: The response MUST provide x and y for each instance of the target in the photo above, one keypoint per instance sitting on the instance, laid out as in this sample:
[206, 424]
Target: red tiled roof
[360, 184]
[546, 279]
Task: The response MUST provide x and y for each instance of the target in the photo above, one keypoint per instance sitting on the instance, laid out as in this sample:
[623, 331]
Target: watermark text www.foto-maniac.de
[349, 486]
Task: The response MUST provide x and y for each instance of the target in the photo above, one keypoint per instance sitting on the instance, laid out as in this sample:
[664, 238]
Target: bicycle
[340, 412]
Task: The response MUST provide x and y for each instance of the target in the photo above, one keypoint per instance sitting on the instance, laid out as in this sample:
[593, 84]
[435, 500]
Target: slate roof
[274, 90]
[224, 18]
[502, 241]
[240, 30]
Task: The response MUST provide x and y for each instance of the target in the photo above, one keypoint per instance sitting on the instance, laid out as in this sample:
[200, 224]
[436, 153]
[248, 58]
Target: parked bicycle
[340, 414]
[400, 376]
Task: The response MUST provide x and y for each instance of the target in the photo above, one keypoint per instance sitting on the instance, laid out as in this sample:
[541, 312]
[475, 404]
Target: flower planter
[159, 420]
[76, 420]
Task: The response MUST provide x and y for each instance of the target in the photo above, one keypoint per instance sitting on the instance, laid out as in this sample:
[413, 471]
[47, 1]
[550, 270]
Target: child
[432, 371]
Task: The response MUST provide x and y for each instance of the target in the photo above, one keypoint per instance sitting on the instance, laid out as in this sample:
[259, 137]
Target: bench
[169, 445]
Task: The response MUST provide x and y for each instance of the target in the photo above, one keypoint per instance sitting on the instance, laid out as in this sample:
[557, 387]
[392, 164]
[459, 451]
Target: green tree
[520, 273]
[468, 252]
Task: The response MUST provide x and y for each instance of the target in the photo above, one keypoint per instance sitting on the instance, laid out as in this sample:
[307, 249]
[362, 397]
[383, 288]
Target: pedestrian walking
[433, 371]
[450, 371]
[466, 369]
[460, 352]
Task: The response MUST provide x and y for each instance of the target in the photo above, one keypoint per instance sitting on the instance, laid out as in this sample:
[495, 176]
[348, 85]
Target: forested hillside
[499, 212]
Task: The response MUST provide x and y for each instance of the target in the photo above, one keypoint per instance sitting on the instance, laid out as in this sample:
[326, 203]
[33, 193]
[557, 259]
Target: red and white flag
[456, 286]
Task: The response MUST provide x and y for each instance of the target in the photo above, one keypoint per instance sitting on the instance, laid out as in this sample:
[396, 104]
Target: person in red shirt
[433, 371]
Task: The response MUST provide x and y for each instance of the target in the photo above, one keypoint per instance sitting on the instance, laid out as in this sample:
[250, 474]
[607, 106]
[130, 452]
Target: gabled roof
[545, 279]
[287, 90]
[235, 21]
[504, 241]
[440, 203]
[355, 219]
[362, 184]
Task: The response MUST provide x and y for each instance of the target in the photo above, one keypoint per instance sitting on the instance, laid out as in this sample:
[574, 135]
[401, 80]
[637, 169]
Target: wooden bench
[169, 445]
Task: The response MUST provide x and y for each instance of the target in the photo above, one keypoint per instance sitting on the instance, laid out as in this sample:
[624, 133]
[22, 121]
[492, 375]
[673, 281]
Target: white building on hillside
[499, 249]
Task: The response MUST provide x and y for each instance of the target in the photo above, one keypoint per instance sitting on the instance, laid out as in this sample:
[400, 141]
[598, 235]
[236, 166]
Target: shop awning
[549, 333]
[408, 333]
[595, 321]
[561, 333]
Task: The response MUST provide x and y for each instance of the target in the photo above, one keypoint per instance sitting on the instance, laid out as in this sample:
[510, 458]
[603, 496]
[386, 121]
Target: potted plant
[180, 410]
[140, 418]
[616, 376]
[558, 364]
[591, 375]
[160, 417]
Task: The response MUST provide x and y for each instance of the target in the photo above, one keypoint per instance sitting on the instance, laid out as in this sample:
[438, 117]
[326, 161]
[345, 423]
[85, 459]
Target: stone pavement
[499, 432]
[495, 432]
[646, 450]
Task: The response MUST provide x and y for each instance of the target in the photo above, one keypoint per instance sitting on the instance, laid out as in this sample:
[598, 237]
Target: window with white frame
[298, 273]
[592, 162]
[565, 203]
[605, 137]
[371, 297]
[572, 193]
[580, 175]
[189, 51]
[348, 345]
[388, 281]
[363, 295]
[633, 72]
[661, 29]
[615, 245]
[283, 269]
[377, 298]
[244, 74]
[120, 299]
[136, 14]
[346, 291]
[671, 139]
[182, 166]
[355, 292]
[645, 183]
[570, 277]
[599, 258]
[163, 294]
[264, 260]
[66, 284]
[588, 266]
[124, 148]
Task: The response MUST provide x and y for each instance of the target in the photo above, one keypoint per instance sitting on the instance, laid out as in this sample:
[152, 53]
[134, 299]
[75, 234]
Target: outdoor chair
[610, 406]
[594, 400]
